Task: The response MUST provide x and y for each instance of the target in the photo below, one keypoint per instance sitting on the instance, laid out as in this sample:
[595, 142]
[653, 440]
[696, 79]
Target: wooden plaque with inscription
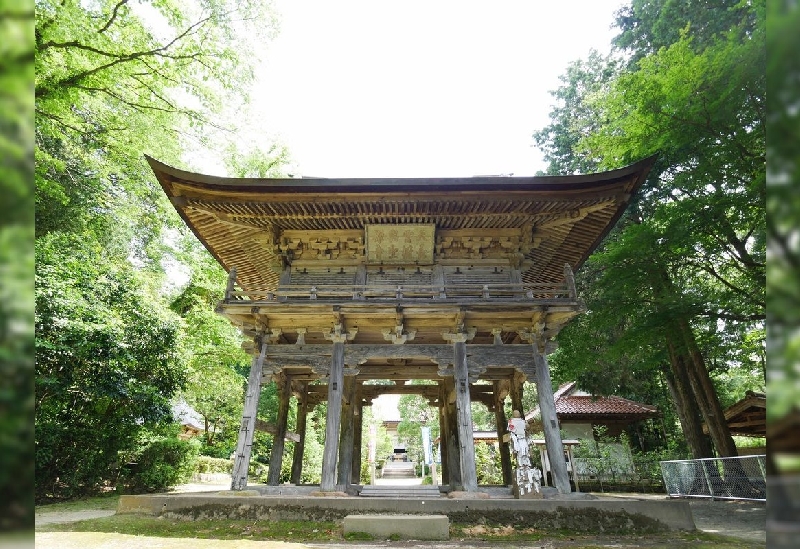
[400, 244]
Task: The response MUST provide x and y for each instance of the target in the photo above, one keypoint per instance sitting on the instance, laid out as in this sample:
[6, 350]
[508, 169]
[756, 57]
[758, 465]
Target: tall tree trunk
[683, 345]
[706, 395]
[685, 405]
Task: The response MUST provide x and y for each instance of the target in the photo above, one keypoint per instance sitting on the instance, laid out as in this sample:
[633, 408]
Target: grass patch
[106, 502]
[306, 531]
[358, 536]
[139, 525]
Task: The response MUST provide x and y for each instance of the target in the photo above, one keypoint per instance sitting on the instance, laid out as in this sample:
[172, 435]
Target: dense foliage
[115, 344]
[676, 294]
[158, 463]
[106, 364]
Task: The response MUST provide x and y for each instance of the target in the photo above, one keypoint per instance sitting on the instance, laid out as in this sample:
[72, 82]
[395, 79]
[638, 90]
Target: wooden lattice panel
[477, 275]
[400, 276]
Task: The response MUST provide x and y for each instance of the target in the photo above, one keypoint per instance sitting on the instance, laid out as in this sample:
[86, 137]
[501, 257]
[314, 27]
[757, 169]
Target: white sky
[434, 88]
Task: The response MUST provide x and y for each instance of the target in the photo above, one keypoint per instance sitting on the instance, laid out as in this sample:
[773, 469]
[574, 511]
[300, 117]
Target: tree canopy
[115, 344]
[678, 289]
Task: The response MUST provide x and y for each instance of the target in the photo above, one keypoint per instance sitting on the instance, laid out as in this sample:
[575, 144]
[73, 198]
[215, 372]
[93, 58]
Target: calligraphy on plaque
[400, 244]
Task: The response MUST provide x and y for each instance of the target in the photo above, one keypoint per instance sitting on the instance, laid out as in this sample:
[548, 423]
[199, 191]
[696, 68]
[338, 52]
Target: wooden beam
[272, 429]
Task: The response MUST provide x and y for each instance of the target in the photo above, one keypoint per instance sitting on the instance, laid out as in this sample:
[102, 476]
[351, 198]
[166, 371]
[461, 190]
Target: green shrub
[207, 464]
[160, 465]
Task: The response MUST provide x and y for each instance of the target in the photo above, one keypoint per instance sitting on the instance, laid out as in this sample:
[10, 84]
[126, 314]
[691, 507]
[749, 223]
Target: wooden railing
[565, 290]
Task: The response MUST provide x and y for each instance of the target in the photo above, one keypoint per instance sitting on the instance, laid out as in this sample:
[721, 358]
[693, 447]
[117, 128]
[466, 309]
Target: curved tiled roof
[238, 219]
[582, 406]
[570, 407]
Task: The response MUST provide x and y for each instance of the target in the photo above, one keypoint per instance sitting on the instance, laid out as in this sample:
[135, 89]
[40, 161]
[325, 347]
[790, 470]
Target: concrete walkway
[746, 520]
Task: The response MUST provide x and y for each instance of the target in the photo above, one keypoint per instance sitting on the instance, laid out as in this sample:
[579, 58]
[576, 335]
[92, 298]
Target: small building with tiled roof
[579, 412]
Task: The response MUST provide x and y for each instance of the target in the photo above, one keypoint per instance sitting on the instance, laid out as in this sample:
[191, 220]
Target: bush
[160, 465]
[207, 464]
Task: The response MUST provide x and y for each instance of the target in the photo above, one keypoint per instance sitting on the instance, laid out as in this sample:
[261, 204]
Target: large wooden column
[335, 389]
[278, 441]
[299, 446]
[443, 432]
[469, 474]
[452, 442]
[347, 433]
[244, 444]
[358, 431]
[517, 386]
[552, 435]
[501, 424]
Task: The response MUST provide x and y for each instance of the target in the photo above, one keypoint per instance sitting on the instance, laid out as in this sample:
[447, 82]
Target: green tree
[106, 365]
[108, 74]
[213, 355]
[116, 80]
[682, 278]
[487, 464]
[415, 413]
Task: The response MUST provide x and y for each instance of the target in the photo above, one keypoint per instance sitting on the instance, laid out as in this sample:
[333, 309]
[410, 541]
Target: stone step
[399, 465]
[380, 527]
[398, 469]
[429, 492]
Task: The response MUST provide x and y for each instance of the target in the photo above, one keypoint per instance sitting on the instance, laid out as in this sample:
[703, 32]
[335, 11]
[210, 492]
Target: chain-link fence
[717, 478]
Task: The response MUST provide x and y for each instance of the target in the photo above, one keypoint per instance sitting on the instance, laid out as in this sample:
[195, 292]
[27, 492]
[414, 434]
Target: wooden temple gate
[461, 281]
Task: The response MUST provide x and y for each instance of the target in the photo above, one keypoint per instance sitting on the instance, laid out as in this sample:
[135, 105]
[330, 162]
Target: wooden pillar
[453, 446]
[501, 423]
[443, 434]
[358, 431]
[278, 441]
[335, 388]
[516, 394]
[244, 443]
[552, 435]
[347, 432]
[469, 474]
[299, 446]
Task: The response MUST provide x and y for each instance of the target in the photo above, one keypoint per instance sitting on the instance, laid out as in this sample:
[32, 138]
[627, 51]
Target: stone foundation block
[431, 527]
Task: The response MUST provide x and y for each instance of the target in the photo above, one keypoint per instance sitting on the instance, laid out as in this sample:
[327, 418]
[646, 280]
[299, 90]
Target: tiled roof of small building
[602, 406]
[569, 406]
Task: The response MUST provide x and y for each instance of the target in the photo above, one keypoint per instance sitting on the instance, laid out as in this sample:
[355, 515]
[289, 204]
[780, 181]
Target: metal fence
[717, 478]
